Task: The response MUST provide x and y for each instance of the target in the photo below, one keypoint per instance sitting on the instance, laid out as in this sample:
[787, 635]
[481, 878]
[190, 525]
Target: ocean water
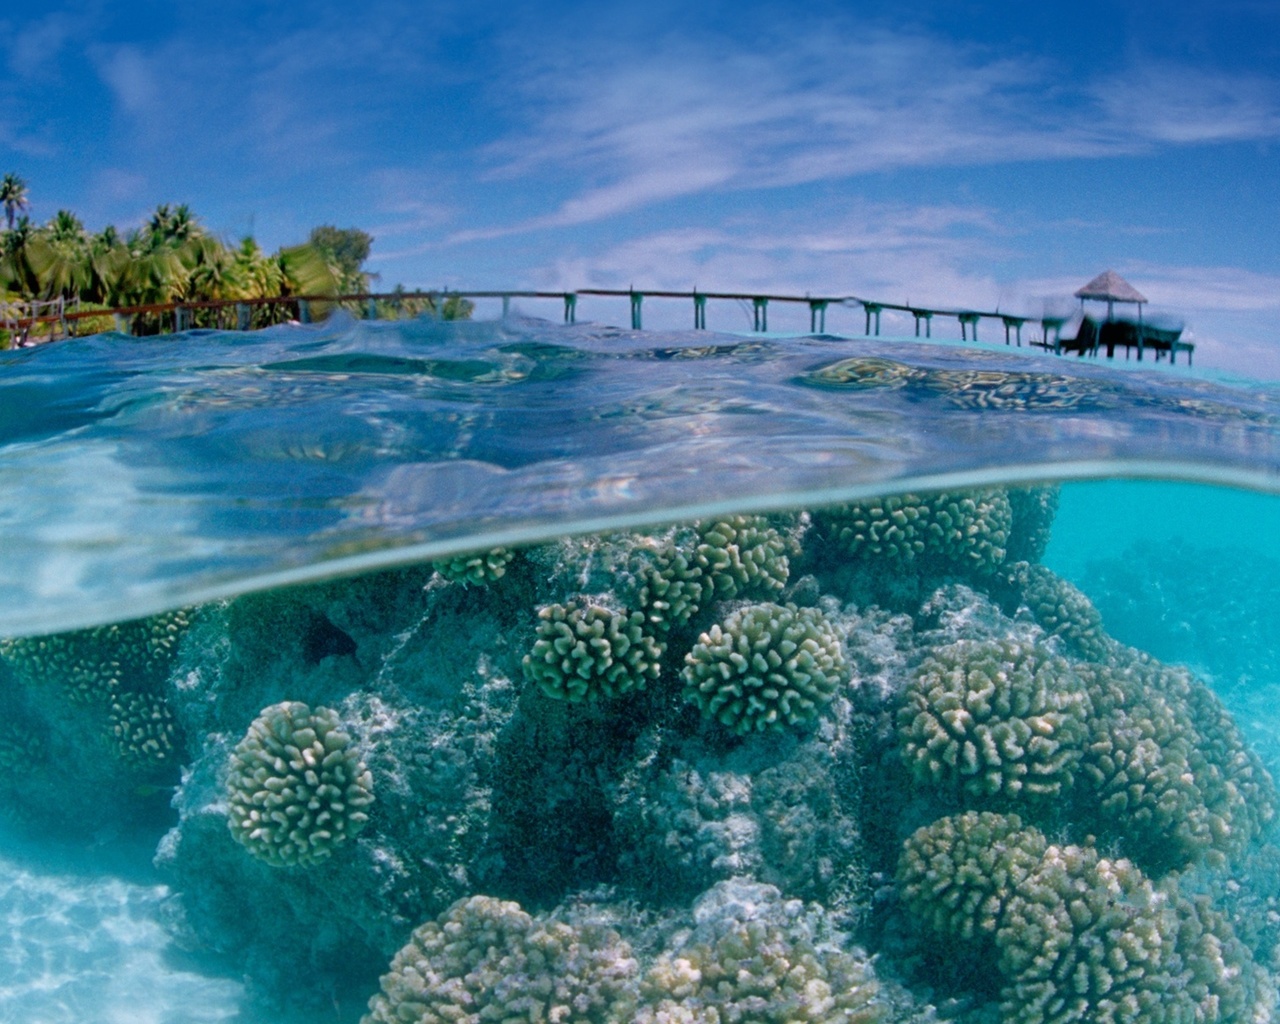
[508, 670]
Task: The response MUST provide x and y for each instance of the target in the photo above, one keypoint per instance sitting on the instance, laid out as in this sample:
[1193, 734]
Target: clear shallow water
[636, 830]
[139, 474]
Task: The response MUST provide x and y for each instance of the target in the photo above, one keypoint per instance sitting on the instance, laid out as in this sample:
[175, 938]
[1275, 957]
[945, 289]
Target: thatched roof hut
[1110, 287]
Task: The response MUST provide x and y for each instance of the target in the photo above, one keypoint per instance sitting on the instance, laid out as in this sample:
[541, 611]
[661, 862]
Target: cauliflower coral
[296, 789]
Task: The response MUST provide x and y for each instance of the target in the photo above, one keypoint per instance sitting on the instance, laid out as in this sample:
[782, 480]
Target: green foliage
[14, 197]
[768, 667]
[345, 250]
[296, 787]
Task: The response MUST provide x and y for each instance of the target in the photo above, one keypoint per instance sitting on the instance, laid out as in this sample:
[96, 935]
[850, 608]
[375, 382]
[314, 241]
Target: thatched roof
[1110, 287]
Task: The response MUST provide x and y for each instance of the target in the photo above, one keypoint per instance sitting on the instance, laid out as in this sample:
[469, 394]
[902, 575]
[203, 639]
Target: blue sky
[958, 154]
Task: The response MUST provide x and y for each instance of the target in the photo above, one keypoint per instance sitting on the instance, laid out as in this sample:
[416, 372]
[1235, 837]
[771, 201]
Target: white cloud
[132, 77]
[930, 256]
[1184, 105]
[611, 134]
[34, 47]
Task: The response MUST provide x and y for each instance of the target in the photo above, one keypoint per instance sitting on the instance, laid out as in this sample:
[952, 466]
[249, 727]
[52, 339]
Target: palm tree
[59, 256]
[15, 267]
[14, 197]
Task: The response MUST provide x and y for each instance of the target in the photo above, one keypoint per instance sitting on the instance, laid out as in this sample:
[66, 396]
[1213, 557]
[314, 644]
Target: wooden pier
[245, 314]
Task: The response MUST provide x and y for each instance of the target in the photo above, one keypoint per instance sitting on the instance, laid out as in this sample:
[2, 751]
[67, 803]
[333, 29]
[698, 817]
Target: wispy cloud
[829, 104]
[881, 251]
[1183, 105]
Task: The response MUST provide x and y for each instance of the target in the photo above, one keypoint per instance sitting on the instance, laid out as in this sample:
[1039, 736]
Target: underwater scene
[506, 671]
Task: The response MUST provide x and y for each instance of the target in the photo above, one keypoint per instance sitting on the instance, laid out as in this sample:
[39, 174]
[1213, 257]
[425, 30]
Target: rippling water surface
[141, 473]
[406, 672]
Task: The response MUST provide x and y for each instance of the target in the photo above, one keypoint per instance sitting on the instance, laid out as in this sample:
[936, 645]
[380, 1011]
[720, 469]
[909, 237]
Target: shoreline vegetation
[172, 257]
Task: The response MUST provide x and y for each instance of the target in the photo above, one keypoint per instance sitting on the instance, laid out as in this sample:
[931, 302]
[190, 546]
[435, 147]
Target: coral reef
[587, 651]
[767, 666]
[143, 730]
[1170, 777]
[743, 555]
[1063, 611]
[487, 960]
[477, 569]
[956, 875]
[716, 560]
[296, 787]
[1076, 936]
[93, 664]
[755, 957]
[1002, 719]
[966, 531]
[689, 774]
[1032, 510]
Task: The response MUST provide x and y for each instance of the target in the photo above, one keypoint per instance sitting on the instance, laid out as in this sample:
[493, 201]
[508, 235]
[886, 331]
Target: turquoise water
[377, 671]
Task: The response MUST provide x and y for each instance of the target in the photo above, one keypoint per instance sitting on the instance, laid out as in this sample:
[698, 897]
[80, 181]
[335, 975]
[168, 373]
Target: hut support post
[571, 307]
[699, 312]
[636, 299]
[817, 316]
[760, 314]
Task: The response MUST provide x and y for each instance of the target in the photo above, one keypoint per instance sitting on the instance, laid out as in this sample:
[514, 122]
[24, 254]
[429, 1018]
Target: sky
[954, 154]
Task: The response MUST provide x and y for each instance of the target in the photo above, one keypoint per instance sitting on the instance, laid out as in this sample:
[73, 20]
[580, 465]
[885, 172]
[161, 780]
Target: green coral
[743, 554]
[1090, 938]
[92, 665]
[955, 875]
[1032, 511]
[1063, 611]
[143, 732]
[767, 667]
[20, 748]
[1170, 774]
[674, 588]
[962, 530]
[994, 719]
[296, 788]
[485, 959]
[760, 971]
[587, 651]
[1074, 936]
[477, 568]
[724, 559]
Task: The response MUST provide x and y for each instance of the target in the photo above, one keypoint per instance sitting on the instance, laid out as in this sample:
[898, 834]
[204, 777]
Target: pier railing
[244, 314]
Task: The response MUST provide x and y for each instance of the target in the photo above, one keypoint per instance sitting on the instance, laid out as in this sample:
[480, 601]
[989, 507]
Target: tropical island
[172, 258]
